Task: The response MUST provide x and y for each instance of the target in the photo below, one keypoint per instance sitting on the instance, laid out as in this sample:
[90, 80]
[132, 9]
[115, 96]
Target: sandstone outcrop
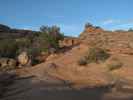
[7, 63]
[69, 41]
[23, 58]
[114, 41]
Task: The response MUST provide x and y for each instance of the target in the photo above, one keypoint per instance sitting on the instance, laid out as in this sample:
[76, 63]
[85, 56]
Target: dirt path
[25, 89]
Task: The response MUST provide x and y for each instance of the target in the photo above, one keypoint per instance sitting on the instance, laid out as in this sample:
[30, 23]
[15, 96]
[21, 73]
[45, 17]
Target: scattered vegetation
[8, 48]
[130, 30]
[4, 28]
[114, 64]
[82, 61]
[97, 54]
[34, 44]
[87, 25]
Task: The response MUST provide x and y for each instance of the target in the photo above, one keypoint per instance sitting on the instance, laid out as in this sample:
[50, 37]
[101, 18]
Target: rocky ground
[61, 77]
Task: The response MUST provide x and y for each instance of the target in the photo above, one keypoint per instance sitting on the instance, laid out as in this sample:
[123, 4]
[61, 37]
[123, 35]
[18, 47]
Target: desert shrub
[97, 27]
[53, 42]
[23, 43]
[87, 25]
[53, 31]
[96, 54]
[42, 42]
[33, 51]
[4, 28]
[8, 48]
[47, 38]
[82, 61]
[130, 30]
[34, 44]
[113, 65]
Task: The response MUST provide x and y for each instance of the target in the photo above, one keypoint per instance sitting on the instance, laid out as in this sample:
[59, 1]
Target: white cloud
[106, 22]
[111, 21]
[117, 22]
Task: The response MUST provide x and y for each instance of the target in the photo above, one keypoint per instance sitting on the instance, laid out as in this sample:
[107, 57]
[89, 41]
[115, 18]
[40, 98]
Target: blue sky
[70, 15]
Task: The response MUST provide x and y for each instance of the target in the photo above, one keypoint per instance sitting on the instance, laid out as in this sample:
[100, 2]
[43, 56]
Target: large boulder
[7, 63]
[4, 62]
[42, 57]
[23, 58]
[52, 50]
[69, 41]
[12, 62]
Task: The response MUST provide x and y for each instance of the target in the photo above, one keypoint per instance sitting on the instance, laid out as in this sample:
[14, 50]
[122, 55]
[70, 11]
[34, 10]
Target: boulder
[23, 58]
[42, 57]
[4, 62]
[12, 62]
[52, 50]
[52, 65]
[69, 41]
[7, 63]
[51, 57]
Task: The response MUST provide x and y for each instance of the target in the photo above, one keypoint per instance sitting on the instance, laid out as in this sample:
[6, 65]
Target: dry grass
[82, 61]
[114, 64]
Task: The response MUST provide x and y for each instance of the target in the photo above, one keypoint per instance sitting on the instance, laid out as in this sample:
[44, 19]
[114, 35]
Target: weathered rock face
[67, 42]
[12, 62]
[91, 32]
[117, 41]
[23, 58]
[7, 63]
[52, 50]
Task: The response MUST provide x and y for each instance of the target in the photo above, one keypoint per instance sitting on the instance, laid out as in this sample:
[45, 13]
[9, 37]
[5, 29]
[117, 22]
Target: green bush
[8, 48]
[87, 25]
[97, 54]
[47, 41]
[33, 54]
[38, 42]
[114, 65]
[53, 31]
[130, 30]
[23, 42]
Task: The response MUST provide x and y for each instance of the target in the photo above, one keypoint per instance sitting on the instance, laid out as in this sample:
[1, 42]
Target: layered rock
[69, 41]
[117, 41]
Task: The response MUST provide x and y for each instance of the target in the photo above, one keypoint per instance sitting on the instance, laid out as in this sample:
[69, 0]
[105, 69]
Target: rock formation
[23, 58]
[116, 41]
[7, 63]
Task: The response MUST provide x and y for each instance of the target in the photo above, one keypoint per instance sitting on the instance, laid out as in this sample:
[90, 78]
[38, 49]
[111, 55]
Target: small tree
[45, 29]
[53, 31]
[97, 54]
[8, 48]
[87, 25]
[130, 30]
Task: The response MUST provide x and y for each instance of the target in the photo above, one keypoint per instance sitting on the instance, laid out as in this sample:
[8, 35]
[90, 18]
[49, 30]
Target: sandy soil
[69, 81]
